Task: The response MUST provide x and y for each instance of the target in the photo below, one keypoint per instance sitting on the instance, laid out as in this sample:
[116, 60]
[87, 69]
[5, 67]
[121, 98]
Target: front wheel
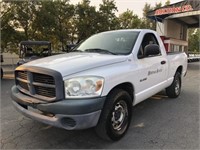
[174, 90]
[116, 116]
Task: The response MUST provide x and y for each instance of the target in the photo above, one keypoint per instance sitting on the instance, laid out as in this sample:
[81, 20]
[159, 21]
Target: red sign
[173, 10]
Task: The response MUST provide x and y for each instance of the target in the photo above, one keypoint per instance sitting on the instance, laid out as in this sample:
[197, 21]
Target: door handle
[163, 62]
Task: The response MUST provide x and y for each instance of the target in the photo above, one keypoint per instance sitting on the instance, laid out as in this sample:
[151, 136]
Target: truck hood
[71, 63]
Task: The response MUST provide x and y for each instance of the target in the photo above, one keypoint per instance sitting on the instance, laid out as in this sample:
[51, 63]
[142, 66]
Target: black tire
[174, 90]
[116, 116]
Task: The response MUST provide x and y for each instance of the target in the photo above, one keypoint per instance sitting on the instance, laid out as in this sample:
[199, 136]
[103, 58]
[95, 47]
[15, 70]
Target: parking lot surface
[157, 123]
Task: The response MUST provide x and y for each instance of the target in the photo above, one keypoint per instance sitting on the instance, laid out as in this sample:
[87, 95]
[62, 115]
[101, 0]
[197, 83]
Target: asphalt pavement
[157, 123]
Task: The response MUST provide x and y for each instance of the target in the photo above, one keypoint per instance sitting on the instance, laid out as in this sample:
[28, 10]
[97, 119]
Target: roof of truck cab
[128, 30]
[139, 31]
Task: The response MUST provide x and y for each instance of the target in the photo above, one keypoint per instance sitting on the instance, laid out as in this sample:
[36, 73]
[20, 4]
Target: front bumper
[67, 114]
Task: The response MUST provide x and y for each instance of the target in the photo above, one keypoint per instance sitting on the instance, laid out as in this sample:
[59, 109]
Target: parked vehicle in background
[97, 84]
[1, 57]
[69, 47]
[31, 50]
[193, 56]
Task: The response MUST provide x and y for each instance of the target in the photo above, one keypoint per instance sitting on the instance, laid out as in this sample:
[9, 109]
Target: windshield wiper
[98, 50]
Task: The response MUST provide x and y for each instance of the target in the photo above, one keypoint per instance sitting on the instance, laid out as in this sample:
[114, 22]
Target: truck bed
[173, 53]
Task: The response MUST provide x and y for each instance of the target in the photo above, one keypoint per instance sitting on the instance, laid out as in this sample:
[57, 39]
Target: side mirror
[151, 50]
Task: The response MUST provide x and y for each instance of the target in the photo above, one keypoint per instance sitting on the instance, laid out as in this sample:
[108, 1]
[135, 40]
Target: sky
[135, 5]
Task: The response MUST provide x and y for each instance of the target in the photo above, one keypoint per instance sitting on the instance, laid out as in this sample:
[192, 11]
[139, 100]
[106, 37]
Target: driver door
[152, 71]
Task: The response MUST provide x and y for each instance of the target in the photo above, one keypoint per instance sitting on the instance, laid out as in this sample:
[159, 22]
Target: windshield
[118, 42]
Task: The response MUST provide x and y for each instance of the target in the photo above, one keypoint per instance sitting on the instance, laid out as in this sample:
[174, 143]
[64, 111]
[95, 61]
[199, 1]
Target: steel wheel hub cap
[177, 87]
[119, 114]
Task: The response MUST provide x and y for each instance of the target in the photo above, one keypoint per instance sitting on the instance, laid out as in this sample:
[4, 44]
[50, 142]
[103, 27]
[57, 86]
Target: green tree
[167, 2]
[63, 13]
[158, 5]
[85, 20]
[10, 37]
[193, 40]
[44, 22]
[148, 23]
[24, 14]
[128, 20]
[52, 22]
[107, 10]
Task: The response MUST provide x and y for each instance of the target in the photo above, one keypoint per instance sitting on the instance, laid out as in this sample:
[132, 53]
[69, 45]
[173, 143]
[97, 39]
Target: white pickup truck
[97, 84]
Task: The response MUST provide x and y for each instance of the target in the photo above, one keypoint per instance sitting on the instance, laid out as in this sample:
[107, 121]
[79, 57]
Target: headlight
[83, 87]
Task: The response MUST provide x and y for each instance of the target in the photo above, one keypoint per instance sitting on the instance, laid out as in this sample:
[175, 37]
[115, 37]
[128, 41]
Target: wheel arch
[127, 86]
[179, 69]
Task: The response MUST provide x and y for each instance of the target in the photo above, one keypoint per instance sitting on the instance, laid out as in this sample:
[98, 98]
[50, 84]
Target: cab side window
[149, 38]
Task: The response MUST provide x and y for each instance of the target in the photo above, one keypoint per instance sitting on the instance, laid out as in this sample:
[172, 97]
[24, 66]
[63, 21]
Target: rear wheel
[174, 90]
[116, 115]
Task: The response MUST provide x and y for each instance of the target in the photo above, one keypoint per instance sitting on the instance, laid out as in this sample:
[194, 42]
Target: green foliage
[52, 21]
[147, 23]
[9, 36]
[193, 40]
[85, 20]
[167, 2]
[44, 22]
[107, 10]
[63, 13]
[158, 5]
[63, 23]
[23, 16]
[57, 21]
[128, 20]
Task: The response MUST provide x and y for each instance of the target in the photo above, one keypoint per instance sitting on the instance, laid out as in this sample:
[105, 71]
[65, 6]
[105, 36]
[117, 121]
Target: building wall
[160, 28]
[175, 33]
[171, 29]
[175, 30]
[10, 59]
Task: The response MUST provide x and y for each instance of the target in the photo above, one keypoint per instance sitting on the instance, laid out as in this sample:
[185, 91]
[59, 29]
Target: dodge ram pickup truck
[98, 82]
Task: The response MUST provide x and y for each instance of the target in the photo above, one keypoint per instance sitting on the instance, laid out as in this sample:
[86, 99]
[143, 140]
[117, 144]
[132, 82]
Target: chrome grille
[36, 84]
[45, 91]
[22, 75]
[41, 78]
[23, 85]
